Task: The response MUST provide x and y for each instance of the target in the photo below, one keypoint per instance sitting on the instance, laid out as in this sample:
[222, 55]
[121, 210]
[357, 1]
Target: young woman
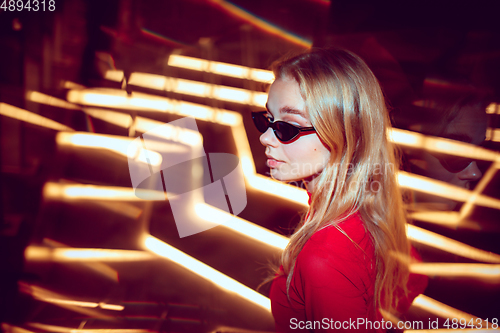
[326, 124]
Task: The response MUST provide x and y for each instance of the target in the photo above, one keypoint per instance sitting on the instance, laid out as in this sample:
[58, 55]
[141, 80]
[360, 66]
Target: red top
[332, 287]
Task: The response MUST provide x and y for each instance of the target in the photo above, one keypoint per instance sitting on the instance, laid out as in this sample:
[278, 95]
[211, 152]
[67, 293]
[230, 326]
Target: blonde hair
[347, 108]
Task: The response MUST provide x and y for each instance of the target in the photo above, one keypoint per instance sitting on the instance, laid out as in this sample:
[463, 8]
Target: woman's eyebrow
[289, 110]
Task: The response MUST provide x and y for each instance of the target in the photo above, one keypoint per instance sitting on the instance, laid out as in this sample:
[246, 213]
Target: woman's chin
[275, 174]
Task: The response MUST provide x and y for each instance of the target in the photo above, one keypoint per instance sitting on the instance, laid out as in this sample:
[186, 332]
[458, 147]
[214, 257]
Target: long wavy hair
[347, 108]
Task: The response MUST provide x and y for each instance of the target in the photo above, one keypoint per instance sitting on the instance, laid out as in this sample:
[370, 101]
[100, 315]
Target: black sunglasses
[285, 132]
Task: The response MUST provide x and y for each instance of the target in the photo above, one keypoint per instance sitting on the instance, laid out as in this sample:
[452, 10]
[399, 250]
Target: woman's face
[469, 126]
[303, 158]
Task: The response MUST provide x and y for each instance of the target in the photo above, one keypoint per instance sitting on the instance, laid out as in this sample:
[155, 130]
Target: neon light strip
[98, 267]
[117, 144]
[7, 328]
[445, 190]
[441, 145]
[468, 206]
[445, 218]
[30, 117]
[282, 190]
[221, 68]
[164, 250]
[38, 97]
[95, 192]
[440, 309]
[42, 253]
[480, 271]
[199, 89]
[446, 244]
[44, 295]
[215, 215]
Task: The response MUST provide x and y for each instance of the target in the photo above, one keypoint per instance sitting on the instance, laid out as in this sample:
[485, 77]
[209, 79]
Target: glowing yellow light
[201, 89]
[187, 62]
[467, 208]
[169, 132]
[98, 267]
[445, 218]
[72, 85]
[119, 99]
[112, 307]
[114, 75]
[493, 108]
[220, 68]
[145, 102]
[228, 118]
[48, 296]
[7, 328]
[229, 70]
[162, 249]
[493, 134]
[40, 253]
[243, 149]
[482, 271]
[117, 118]
[441, 145]
[262, 75]
[69, 302]
[94, 192]
[259, 99]
[286, 191]
[100, 99]
[197, 111]
[30, 117]
[406, 138]
[445, 190]
[439, 309]
[116, 144]
[189, 87]
[440, 242]
[151, 81]
[38, 97]
[213, 214]
[232, 95]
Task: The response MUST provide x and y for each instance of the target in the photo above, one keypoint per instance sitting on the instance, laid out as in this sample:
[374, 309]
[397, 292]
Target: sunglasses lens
[261, 122]
[285, 132]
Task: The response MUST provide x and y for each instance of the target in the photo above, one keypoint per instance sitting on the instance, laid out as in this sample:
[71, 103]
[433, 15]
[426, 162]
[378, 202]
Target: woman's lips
[272, 163]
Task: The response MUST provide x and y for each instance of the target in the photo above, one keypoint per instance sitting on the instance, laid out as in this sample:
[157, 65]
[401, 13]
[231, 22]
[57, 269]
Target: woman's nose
[470, 173]
[268, 138]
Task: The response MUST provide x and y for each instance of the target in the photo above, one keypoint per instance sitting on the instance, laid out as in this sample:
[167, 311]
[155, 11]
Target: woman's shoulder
[348, 235]
[345, 251]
